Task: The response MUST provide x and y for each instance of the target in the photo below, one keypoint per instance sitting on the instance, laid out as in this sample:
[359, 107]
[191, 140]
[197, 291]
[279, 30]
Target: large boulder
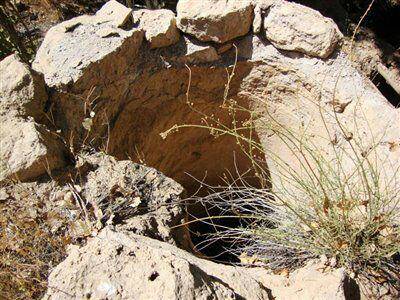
[122, 265]
[22, 90]
[85, 49]
[214, 20]
[159, 26]
[28, 150]
[83, 60]
[294, 27]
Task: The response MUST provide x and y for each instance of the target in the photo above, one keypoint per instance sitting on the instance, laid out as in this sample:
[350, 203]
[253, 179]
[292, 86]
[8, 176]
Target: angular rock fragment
[260, 8]
[214, 20]
[138, 198]
[257, 22]
[159, 26]
[114, 12]
[197, 52]
[22, 90]
[79, 49]
[28, 150]
[294, 27]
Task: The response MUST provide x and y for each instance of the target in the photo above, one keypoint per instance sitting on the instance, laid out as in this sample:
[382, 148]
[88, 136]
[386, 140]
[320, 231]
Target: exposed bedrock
[122, 265]
[106, 79]
[117, 80]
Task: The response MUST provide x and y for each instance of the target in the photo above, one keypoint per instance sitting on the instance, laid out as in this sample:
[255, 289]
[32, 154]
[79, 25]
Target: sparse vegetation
[11, 38]
[343, 208]
[37, 223]
[28, 247]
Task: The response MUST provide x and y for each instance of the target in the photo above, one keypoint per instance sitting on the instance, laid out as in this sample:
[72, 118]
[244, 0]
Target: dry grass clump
[343, 208]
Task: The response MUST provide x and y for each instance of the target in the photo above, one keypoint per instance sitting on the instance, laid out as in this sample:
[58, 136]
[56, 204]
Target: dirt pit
[194, 157]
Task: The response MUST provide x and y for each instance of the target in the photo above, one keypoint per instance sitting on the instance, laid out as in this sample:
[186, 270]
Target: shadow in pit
[192, 154]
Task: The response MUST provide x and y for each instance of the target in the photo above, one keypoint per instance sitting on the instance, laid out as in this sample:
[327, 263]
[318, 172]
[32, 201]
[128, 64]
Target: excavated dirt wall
[159, 101]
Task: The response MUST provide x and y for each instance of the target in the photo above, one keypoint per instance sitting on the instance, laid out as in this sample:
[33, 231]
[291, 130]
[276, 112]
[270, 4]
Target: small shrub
[343, 207]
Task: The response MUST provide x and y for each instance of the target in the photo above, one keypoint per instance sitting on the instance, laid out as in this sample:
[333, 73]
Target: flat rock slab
[73, 49]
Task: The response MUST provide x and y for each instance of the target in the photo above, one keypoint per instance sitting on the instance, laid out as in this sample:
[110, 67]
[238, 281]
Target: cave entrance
[191, 155]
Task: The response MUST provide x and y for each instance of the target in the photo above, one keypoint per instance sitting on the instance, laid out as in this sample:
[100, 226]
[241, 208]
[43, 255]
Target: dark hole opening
[212, 224]
[153, 276]
[390, 94]
[204, 239]
[226, 214]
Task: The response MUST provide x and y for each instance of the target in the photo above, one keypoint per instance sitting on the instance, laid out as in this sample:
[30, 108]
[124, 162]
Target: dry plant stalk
[342, 207]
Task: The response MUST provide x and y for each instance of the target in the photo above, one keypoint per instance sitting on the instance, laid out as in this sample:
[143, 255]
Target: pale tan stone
[122, 265]
[114, 12]
[294, 27]
[28, 150]
[22, 90]
[214, 20]
[159, 26]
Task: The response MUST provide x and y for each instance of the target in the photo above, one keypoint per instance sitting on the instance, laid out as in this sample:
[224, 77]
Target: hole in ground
[387, 90]
[191, 155]
[213, 236]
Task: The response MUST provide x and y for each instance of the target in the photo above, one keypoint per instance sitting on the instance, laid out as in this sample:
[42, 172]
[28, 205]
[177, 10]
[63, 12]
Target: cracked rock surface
[122, 265]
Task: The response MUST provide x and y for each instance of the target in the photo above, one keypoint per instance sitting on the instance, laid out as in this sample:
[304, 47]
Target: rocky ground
[83, 155]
